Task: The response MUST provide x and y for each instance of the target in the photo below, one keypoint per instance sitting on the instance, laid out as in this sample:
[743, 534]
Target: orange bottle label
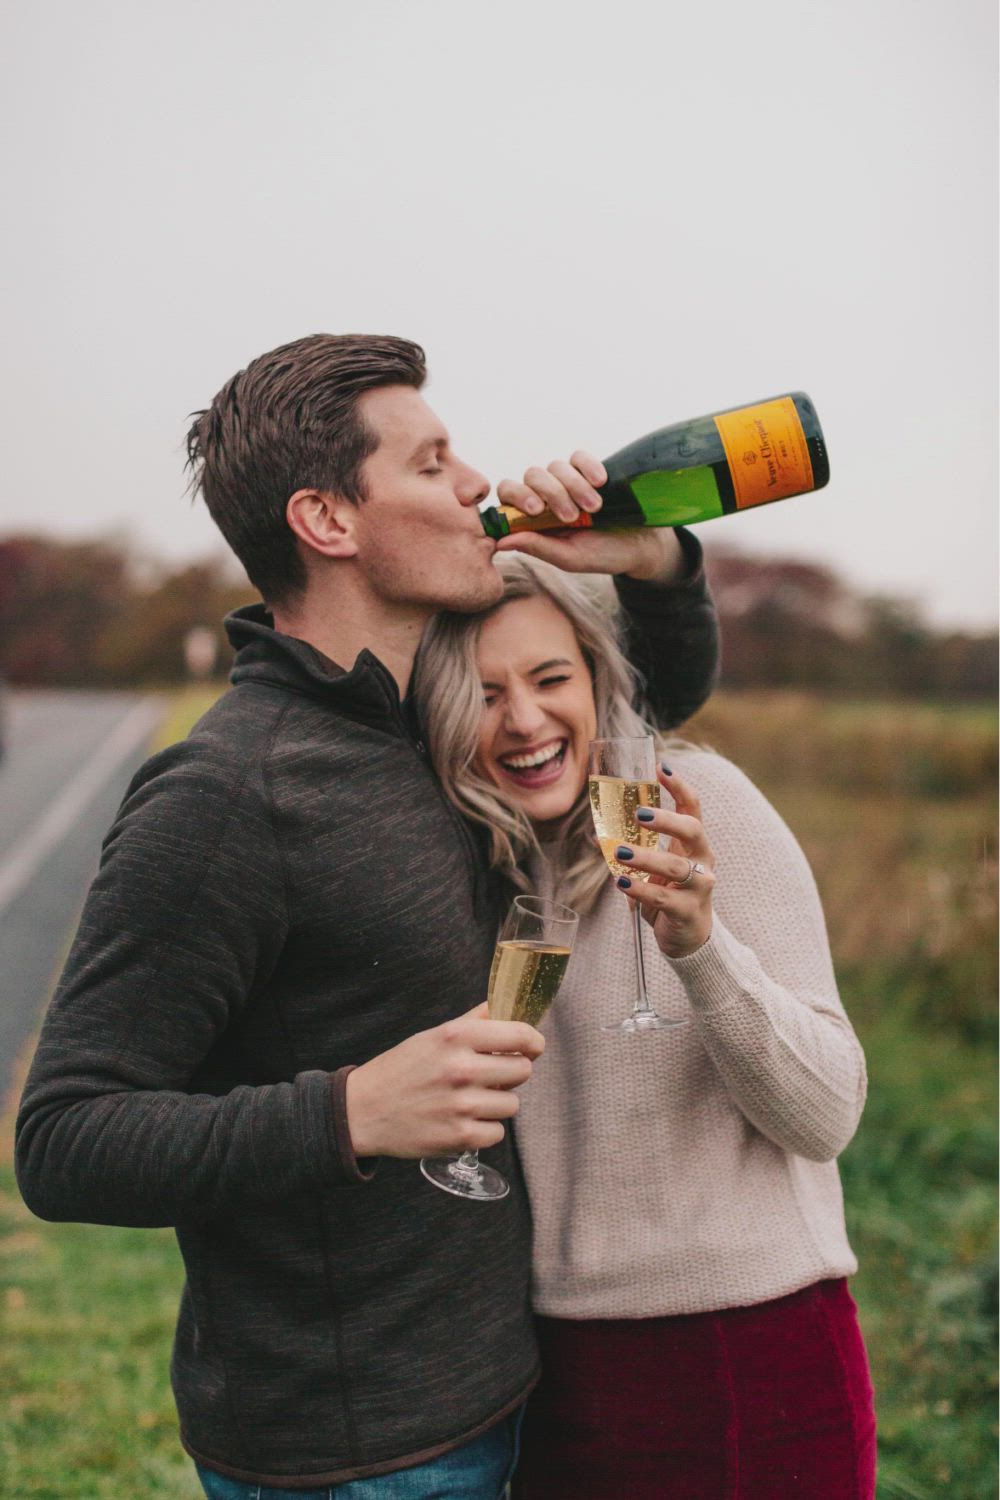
[767, 452]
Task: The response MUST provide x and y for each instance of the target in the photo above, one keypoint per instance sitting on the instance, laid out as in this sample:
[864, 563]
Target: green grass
[918, 1186]
[87, 1322]
[908, 876]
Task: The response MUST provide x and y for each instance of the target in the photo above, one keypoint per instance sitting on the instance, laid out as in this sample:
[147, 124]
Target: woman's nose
[524, 715]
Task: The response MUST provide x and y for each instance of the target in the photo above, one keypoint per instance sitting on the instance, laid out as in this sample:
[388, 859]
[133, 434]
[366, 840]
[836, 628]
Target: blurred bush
[792, 624]
[807, 739]
[895, 807]
[93, 614]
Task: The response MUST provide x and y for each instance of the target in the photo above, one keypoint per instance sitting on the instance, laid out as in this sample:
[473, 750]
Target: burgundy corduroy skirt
[751, 1403]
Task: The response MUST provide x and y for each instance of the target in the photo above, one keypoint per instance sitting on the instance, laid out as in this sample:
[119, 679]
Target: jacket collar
[367, 691]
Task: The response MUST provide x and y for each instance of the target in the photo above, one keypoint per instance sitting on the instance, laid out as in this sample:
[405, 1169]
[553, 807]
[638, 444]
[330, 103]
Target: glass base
[643, 1020]
[485, 1184]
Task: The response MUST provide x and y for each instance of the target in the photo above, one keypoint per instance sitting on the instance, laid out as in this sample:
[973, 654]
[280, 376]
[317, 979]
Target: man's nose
[472, 486]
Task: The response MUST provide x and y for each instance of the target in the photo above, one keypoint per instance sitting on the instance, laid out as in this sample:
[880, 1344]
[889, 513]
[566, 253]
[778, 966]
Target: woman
[698, 1339]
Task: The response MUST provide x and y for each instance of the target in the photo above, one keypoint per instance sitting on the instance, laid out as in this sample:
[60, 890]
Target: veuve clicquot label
[711, 466]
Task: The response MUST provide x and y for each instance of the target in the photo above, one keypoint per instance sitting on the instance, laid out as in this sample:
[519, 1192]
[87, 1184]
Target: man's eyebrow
[428, 445]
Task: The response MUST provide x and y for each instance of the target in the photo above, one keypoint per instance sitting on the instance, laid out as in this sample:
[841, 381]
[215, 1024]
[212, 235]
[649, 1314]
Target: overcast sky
[597, 219]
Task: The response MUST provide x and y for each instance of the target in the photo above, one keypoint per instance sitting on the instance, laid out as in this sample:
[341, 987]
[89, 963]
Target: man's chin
[474, 594]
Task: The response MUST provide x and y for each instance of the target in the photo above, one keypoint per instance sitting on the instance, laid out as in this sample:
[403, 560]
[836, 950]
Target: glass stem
[467, 1166]
[642, 1006]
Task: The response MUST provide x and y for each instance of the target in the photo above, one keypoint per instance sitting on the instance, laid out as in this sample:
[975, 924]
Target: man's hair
[290, 421]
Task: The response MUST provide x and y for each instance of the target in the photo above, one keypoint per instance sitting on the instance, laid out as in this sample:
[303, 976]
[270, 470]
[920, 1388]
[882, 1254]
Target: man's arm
[673, 635]
[180, 925]
[672, 630]
[183, 923]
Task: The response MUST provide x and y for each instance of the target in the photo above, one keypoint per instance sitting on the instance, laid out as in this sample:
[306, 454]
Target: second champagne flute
[528, 967]
[622, 778]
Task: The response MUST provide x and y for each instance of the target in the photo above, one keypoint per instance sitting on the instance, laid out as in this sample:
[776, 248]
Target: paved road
[69, 758]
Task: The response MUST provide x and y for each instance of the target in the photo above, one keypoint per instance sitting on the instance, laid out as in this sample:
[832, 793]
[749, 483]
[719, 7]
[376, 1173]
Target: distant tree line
[92, 614]
[787, 623]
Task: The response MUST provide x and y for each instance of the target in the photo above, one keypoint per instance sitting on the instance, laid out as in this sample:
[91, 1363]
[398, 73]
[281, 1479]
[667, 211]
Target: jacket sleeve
[672, 637]
[184, 921]
[762, 988]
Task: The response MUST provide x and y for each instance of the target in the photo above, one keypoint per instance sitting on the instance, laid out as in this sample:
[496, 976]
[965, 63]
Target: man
[273, 1004]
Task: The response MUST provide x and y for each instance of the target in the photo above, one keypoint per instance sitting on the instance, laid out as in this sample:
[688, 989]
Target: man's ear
[323, 521]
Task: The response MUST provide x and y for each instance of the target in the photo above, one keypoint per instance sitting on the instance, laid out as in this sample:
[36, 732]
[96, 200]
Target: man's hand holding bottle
[568, 490]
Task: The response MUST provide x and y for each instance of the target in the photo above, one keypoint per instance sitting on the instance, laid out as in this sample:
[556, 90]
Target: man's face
[420, 540]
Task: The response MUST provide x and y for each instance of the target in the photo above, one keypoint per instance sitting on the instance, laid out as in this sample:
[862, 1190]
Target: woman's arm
[761, 983]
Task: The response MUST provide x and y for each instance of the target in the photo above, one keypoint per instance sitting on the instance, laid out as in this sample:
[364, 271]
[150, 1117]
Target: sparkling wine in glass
[528, 966]
[622, 779]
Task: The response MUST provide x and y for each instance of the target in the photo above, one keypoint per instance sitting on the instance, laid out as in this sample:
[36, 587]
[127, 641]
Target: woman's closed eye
[490, 695]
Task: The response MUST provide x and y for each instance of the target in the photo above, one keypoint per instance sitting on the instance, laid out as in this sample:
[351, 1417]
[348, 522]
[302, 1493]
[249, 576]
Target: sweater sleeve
[672, 637]
[762, 987]
[184, 921]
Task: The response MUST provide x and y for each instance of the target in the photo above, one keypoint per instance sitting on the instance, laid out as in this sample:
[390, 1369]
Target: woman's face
[538, 713]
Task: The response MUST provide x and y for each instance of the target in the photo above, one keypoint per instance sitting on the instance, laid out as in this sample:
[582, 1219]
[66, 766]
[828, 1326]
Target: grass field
[895, 806]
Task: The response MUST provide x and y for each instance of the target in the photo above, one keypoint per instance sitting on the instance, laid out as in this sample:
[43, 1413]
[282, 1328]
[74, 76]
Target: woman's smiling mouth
[538, 767]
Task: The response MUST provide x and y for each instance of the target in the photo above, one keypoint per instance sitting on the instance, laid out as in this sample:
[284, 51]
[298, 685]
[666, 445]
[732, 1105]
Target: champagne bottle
[692, 471]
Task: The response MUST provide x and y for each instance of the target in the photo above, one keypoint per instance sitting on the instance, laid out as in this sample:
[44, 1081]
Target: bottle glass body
[697, 470]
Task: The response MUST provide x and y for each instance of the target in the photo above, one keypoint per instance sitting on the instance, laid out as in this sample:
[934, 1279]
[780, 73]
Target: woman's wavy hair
[447, 686]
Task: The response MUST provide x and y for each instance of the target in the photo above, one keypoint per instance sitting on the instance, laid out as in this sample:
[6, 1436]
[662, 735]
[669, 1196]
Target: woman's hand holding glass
[621, 784]
[676, 899]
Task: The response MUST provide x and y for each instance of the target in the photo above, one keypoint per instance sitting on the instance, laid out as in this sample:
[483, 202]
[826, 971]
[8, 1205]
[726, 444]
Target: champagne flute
[622, 778]
[528, 966]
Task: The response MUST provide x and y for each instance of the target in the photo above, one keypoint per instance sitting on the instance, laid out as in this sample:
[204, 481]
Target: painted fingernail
[624, 884]
[623, 852]
[644, 814]
[665, 768]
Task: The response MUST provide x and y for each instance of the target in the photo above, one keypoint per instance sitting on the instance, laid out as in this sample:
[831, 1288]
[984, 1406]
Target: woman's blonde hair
[447, 685]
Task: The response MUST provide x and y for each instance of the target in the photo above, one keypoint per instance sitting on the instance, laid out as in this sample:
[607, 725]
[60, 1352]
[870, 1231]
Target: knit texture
[688, 1170]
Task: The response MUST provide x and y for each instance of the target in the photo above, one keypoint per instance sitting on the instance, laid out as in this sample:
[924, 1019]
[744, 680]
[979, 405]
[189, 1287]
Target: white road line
[65, 812]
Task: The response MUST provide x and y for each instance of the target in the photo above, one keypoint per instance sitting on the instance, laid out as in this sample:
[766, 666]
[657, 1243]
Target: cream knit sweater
[683, 1171]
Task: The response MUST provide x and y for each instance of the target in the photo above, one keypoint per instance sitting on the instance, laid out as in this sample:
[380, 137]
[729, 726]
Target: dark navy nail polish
[644, 814]
[665, 768]
[623, 852]
[624, 884]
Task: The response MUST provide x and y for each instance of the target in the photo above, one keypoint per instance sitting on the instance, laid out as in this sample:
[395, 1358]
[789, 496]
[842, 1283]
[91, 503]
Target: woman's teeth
[536, 759]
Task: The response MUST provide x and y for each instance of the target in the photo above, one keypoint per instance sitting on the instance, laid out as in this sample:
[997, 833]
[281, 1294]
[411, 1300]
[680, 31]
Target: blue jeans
[479, 1470]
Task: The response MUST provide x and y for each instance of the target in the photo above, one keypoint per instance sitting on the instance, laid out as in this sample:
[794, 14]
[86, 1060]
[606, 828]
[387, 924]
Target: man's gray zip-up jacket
[286, 894]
